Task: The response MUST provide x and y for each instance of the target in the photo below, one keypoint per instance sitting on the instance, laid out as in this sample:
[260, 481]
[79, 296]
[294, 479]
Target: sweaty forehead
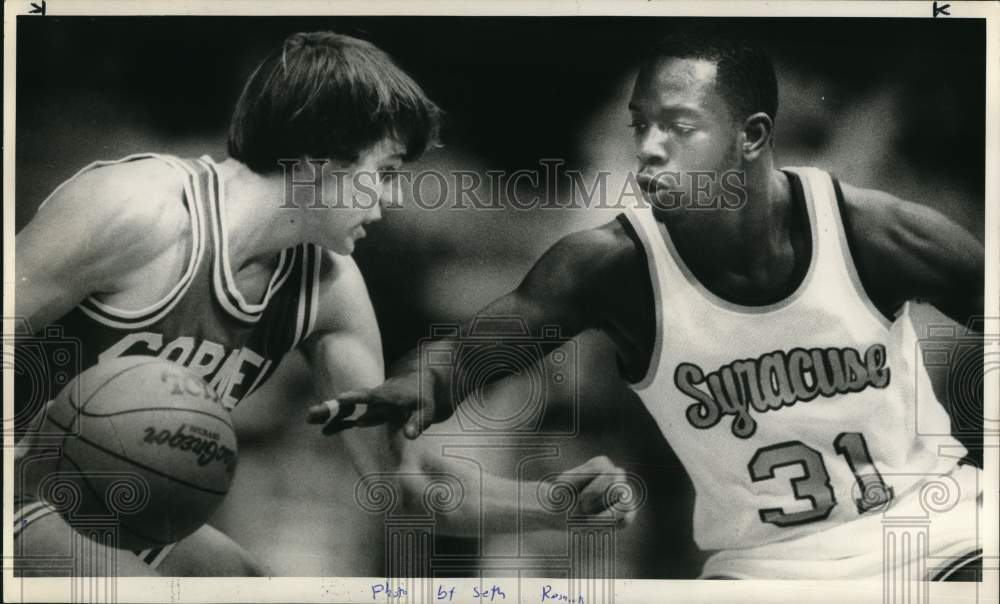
[671, 81]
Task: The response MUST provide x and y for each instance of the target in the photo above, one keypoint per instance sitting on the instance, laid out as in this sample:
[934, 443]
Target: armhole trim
[309, 282]
[850, 254]
[134, 319]
[630, 219]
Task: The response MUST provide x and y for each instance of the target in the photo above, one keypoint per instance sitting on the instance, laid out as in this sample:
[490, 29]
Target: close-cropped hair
[746, 75]
[328, 96]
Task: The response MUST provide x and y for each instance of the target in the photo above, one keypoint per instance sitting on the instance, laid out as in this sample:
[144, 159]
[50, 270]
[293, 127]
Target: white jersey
[797, 416]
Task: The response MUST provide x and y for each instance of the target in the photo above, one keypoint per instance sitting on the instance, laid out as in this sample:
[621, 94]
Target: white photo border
[351, 589]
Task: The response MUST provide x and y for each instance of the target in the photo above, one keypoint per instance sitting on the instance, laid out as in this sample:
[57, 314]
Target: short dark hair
[745, 71]
[328, 96]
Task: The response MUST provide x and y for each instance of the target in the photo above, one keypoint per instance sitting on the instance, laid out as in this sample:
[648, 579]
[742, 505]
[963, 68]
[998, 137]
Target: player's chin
[344, 246]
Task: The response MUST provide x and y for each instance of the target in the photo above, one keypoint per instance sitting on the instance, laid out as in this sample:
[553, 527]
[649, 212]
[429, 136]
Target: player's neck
[747, 250]
[257, 226]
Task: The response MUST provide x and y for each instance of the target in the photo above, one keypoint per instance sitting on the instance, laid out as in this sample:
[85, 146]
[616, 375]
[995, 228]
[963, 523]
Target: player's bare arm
[98, 234]
[345, 350]
[123, 240]
[345, 354]
[906, 251]
[575, 285]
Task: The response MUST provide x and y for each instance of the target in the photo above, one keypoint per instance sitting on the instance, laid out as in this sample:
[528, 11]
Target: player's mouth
[359, 232]
[653, 183]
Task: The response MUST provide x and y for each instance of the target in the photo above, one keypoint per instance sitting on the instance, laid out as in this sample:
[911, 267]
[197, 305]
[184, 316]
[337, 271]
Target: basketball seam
[122, 522]
[83, 475]
[62, 445]
[153, 470]
[112, 378]
[65, 429]
[140, 410]
[80, 408]
[60, 426]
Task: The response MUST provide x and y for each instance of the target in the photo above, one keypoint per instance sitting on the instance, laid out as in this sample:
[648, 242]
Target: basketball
[148, 450]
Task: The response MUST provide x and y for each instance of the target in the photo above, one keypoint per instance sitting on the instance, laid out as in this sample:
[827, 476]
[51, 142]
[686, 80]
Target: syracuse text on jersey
[775, 380]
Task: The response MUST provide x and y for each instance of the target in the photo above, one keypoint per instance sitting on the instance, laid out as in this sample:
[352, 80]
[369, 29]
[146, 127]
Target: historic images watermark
[546, 365]
[42, 365]
[959, 358]
[318, 184]
[497, 435]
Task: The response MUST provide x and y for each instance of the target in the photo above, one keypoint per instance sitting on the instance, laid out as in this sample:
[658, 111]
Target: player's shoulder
[585, 263]
[343, 300]
[873, 204]
[138, 201]
[881, 219]
[137, 175]
[606, 245]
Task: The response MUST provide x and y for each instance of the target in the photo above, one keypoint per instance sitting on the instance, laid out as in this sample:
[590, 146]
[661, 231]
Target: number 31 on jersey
[814, 484]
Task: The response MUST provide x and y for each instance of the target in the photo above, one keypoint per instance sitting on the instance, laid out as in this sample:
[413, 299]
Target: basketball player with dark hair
[213, 266]
[768, 335]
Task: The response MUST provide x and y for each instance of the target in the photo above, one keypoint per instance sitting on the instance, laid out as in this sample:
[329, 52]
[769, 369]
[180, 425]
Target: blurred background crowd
[897, 105]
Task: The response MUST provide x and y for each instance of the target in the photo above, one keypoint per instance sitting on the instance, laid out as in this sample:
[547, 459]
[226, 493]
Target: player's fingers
[413, 427]
[333, 410]
[338, 426]
[587, 471]
[374, 414]
[387, 395]
[324, 412]
[576, 480]
[623, 519]
[345, 404]
[420, 419]
[359, 397]
[337, 415]
[599, 464]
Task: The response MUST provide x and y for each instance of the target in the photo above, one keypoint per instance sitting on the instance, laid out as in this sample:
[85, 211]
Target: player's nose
[376, 212]
[652, 150]
[385, 197]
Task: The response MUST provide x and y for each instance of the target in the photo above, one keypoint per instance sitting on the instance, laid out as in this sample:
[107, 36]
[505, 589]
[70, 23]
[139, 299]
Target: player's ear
[757, 132]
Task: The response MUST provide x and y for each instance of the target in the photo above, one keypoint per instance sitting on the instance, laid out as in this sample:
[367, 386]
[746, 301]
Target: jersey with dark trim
[203, 322]
[794, 415]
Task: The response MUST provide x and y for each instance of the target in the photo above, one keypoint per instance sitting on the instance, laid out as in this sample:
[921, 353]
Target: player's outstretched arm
[345, 354]
[906, 251]
[87, 238]
[570, 287]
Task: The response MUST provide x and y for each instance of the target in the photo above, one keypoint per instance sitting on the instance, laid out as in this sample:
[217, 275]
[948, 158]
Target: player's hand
[601, 489]
[405, 399]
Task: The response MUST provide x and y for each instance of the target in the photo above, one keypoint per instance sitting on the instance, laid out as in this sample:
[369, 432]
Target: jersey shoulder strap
[831, 235]
[193, 199]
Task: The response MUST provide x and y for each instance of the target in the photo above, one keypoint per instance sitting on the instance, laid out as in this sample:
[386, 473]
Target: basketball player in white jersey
[766, 331]
[226, 267]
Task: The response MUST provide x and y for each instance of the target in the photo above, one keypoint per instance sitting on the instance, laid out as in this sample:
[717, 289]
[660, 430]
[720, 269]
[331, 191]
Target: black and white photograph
[573, 303]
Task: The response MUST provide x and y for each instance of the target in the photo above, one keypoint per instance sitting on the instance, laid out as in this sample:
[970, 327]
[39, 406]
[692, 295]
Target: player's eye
[638, 126]
[682, 129]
